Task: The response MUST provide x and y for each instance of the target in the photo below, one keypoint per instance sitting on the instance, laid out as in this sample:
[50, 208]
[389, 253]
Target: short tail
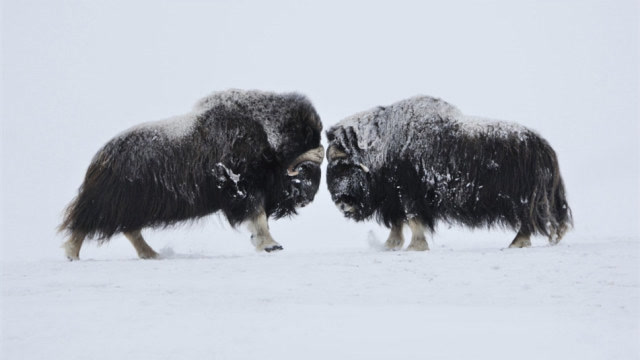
[549, 213]
[563, 219]
[85, 214]
[68, 217]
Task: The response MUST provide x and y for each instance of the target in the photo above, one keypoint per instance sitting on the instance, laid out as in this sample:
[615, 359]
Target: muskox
[420, 161]
[249, 154]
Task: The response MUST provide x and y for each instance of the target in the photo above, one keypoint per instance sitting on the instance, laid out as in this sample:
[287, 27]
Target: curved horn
[314, 155]
[335, 153]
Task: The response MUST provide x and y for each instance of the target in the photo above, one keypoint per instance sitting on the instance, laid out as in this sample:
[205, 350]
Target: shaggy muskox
[420, 161]
[249, 154]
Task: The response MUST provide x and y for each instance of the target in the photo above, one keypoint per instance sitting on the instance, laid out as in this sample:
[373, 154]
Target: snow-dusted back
[263, 111]
[477, 125]
[179, 126]
[173, 128]
[396, 129]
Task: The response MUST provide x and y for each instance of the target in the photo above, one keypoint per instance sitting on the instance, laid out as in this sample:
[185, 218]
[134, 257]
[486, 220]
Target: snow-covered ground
[466, 298]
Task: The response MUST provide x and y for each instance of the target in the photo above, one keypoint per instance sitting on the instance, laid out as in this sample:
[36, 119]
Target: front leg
[395, 240]
[418, 240]
[260, 236]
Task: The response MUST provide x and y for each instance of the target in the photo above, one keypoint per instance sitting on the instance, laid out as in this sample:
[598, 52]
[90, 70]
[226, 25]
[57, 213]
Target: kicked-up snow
[464, 299]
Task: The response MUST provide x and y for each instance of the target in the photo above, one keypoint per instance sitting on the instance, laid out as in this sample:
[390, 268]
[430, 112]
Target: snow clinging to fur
[173, 128]
[476, 125]
[399, 127]
[266, 107]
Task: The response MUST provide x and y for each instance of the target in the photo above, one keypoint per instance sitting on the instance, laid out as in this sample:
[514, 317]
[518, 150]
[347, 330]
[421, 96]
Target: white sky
[76, 73]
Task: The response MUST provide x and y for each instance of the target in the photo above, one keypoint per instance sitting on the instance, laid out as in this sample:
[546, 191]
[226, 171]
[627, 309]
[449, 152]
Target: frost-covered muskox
[420, 161]
[249, 154]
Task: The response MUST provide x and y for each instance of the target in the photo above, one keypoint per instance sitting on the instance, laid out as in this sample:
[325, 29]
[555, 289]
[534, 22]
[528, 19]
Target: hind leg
[395, 240]
[142, 248]
[418, 239]
[557, 233]
[522, 240]
[73, 245]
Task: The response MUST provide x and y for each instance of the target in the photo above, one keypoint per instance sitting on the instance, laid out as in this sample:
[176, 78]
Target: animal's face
[298, 150]
[302, 186]
[349, 183]
[303, 173]
[298, 184]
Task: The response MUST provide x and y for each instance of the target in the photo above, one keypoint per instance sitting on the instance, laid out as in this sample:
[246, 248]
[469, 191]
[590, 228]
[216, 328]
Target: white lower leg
[260, 235]
[142, 248]
[521, 241]
[73, 245]
[418, 239]
[395, 239]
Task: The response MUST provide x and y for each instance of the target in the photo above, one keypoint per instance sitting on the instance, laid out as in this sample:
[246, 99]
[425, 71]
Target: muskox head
[348, 177]
[303, 177]
[297, 146]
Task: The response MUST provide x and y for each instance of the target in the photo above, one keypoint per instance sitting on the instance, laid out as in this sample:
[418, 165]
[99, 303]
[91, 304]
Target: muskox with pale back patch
[420, 161]
[248, 154]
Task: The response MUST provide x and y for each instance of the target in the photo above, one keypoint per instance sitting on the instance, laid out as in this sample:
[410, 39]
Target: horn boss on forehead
[334, 153]
[314, 155]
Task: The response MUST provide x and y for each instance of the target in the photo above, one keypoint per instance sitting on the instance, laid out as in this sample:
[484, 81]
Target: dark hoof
[274, 248]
